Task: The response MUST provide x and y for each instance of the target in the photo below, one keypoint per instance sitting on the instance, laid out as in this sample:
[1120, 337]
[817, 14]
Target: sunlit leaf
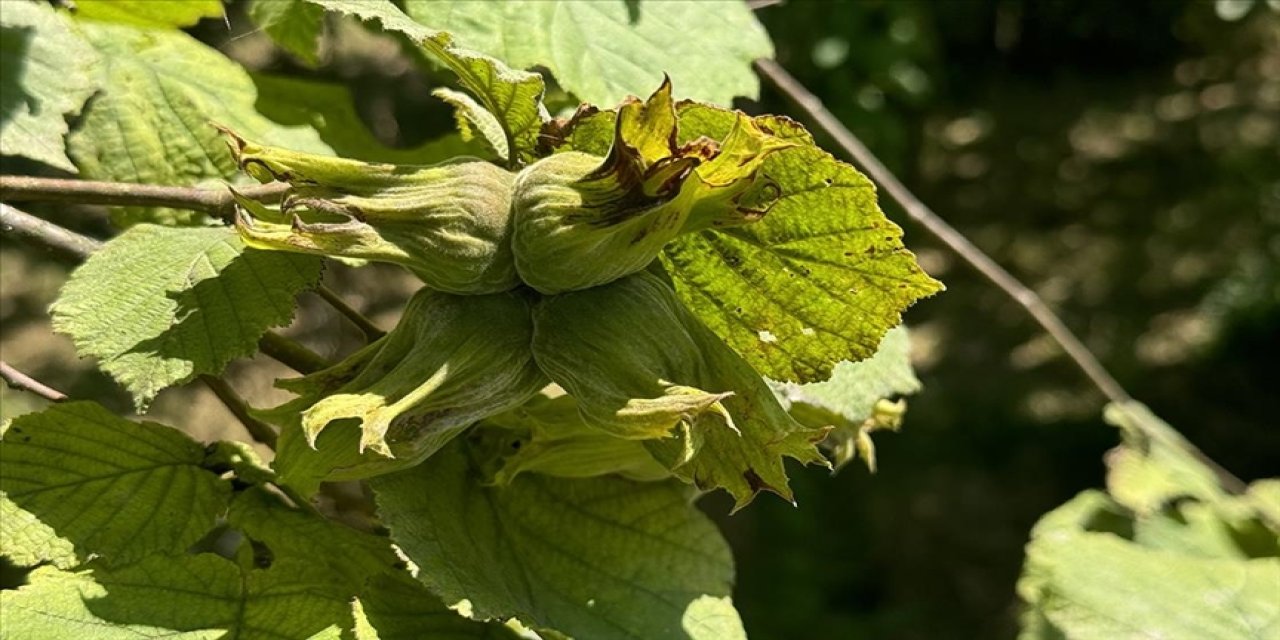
[159, 305]
[109, 487]
[603, 51]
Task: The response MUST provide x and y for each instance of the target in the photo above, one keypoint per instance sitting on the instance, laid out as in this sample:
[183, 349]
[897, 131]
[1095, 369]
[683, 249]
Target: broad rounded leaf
[159, 305]
[513, 97]
[153, 121]
[603, 51]
[112, 488]
[598, 558]
[818, 280]
[330, 109]
[1087, 585]
[45, 76]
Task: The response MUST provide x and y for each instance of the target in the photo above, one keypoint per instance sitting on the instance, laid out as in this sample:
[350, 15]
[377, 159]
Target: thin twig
[23, 382]
[969, 252]
[216, 202]
[260, 431]
[24, 226]
[33, 230]
[291, 354]
[371, 331]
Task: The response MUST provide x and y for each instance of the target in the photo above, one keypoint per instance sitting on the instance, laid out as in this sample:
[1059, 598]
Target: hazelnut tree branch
[23, 382]
[24, 226]
[215, 202]
[258, 430]
[918, 211]
[365, 325]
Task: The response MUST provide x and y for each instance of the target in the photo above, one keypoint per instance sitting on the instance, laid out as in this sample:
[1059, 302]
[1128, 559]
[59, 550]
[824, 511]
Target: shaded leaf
[330, 109]
[359, 565]
[113, 488]
[153, 121]
[46, 74]
[604, 51]
[513, 97]
[294, 25]
[599, 558]
[159, 305]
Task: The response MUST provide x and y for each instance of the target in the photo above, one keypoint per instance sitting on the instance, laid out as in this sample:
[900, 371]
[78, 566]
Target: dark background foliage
[1120, 158]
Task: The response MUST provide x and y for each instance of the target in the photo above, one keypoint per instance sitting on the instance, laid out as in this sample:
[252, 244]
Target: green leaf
[169, 13]
[604, 51]
[599, 558]
[294, 25]
[351, 556]
[854, 400]
[1153, 467]
[45, 76]
[153, 121]
[818, 280]
[159, 305]
[330, 110]
[1098, 586]
[513, 97]
[1168, 555]
[113, 488]
[57, 604]
[854, 387]
[396, 609]
[359, 565]
[291, 599]
[471, 118]
[26, 541]
[240, 458]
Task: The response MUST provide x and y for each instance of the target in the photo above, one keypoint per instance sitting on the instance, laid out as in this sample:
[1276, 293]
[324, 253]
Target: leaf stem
[366, 326]
[23, 382]
[258, 430]
[813, 107]
[216, 202]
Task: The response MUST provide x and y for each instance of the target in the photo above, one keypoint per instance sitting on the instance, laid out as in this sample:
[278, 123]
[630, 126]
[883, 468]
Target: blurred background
[1123, 159]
